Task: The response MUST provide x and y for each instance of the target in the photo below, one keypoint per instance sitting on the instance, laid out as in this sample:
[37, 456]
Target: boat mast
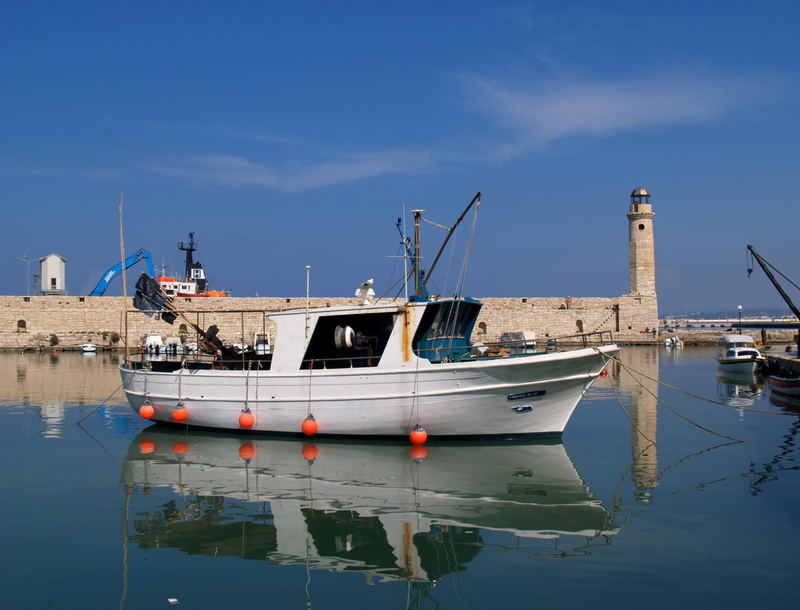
[418, 284]
[405, 255]
[188, 248]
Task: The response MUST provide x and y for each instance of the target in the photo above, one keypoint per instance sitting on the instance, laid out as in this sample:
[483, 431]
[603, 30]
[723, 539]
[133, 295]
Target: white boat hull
[738, 366]
[527, 395]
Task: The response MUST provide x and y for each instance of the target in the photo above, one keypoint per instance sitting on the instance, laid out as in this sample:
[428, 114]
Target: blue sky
[287, 134]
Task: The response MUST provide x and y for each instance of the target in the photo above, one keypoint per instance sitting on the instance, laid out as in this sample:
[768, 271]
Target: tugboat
[194, 283]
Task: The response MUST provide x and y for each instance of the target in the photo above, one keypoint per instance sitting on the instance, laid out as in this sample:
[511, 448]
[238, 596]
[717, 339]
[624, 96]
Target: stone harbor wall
[66, 322]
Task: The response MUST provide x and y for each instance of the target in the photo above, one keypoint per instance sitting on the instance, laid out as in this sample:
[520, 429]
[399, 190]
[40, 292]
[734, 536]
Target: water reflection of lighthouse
[636, 374]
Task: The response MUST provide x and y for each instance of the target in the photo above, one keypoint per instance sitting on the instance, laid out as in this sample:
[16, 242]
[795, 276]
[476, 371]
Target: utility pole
[27, 262]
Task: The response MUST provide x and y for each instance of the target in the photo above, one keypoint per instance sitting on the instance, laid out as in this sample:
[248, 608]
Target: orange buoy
[247, 451]
[146, 411]
[146, 446]
[419, 453]
[418, 435]
[246, 419]
[310, 452]
[180, 413]
[603, 373]
[309, 425]
[180, 448]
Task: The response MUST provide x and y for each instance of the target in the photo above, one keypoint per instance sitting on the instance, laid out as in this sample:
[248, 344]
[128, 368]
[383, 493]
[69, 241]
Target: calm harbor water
[634, 506]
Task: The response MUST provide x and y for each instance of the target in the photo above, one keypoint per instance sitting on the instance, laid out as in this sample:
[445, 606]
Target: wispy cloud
[522, 118]
[538, 115]
[55, 172]
[228, 171]
[257, 135]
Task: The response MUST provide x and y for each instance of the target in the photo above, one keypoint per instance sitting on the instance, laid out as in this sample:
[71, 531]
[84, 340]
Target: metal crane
[765, 266]
[114, 271]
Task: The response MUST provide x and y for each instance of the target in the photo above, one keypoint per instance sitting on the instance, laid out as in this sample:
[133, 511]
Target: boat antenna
[308, 292]
[475, 199]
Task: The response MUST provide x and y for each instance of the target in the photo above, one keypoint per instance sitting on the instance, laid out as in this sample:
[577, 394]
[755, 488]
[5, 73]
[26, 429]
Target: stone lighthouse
[642, 262]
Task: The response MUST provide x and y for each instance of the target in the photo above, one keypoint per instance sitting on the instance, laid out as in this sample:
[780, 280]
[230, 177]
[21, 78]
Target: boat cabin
[737, 346]
[371, 335]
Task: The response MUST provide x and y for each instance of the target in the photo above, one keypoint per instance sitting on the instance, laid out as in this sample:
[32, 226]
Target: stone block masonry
[30, 322]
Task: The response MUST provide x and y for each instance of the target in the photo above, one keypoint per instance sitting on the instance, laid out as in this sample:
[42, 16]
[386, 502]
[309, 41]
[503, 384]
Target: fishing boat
[88, 348]
[785, 385]
[377, 368]
[737, 354]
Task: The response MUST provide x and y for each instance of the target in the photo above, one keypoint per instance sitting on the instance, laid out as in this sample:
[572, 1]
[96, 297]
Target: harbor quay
[44, 322]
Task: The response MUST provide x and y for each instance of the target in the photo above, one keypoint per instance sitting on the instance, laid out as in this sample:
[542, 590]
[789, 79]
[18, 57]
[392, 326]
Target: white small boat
[88, 348]
[737, 354]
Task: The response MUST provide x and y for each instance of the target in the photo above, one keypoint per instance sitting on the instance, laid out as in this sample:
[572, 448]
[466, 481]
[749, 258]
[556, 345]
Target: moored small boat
[737, 354]
[88, 348]
[785, 385]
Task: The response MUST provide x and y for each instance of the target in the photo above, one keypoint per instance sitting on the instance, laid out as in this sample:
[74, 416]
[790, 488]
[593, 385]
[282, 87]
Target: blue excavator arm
[117, 269]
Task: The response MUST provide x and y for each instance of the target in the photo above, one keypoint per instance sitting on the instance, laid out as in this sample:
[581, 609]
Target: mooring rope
[698, 396]
[681, 415]
[662, 401]
[310, 373]
[100, 405]
[625, 411]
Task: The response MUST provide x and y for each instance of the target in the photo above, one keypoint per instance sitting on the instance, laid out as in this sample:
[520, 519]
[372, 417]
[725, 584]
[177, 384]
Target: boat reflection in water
[386, 509]
[739, 390]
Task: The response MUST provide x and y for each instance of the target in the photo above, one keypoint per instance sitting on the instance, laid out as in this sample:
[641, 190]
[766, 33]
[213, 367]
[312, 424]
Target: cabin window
[350, 340]
[444, 330]
[22, 326]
